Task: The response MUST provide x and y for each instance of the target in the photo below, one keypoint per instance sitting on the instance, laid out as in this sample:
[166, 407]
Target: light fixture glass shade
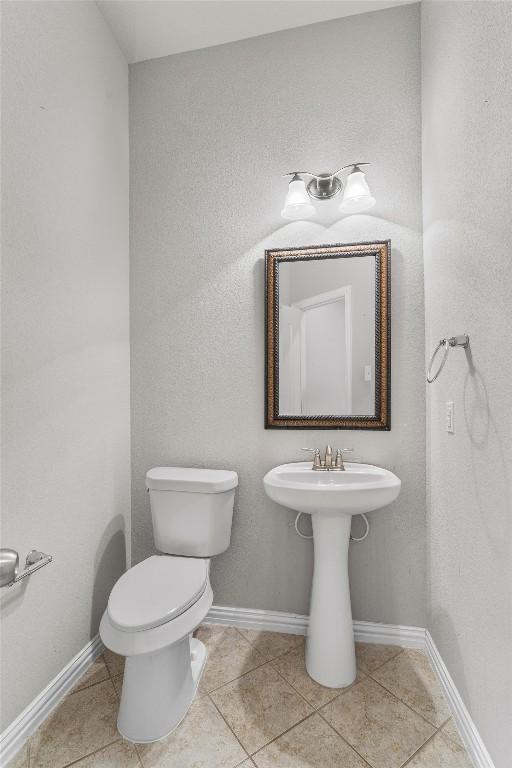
[298, 203]
[357, 197]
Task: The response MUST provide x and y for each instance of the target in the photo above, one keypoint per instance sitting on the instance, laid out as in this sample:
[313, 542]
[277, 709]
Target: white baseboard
[389, 634]
[247, 618]
[465, 725]
[19, 731]
[297, 624]
[369, 632]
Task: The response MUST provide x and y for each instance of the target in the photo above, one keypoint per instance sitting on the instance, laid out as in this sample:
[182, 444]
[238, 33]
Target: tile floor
[257, 708]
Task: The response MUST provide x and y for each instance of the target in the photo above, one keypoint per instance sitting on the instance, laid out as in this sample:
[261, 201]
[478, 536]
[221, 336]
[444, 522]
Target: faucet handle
[338, 462]
[317, 462]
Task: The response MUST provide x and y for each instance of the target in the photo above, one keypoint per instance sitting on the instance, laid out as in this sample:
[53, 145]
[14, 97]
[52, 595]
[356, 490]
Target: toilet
[155, 606]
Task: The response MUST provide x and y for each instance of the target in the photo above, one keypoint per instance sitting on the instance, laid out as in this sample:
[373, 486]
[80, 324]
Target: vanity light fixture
[356, 198]
[297, 204]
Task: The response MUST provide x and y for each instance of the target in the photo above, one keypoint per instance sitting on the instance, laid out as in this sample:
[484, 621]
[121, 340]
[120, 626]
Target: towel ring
[447, 342]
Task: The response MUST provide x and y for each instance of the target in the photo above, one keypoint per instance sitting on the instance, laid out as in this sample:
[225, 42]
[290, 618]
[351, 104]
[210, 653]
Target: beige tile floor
[257, 708]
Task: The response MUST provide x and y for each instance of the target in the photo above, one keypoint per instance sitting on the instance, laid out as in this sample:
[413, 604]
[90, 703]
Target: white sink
[361, 488]
[331, 498]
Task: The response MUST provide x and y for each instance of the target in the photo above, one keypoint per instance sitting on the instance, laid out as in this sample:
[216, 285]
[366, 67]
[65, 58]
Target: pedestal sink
[331, 498]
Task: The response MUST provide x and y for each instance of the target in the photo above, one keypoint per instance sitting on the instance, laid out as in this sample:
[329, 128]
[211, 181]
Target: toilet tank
[191, 509]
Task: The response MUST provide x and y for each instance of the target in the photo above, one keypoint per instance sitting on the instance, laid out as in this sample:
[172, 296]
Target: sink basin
[361, 488]
[331, 498]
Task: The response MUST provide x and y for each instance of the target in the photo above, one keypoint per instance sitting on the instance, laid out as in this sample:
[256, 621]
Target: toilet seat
[153, 640]
[156, 591]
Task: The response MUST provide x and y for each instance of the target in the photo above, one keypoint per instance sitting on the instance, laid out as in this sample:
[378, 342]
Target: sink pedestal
[330, 652]
[331, 498]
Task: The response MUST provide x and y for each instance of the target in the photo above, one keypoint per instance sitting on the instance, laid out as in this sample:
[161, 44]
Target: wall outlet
[450, 425]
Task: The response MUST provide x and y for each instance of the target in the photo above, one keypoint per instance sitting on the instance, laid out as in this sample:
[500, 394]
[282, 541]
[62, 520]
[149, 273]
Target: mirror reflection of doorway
[316, 353]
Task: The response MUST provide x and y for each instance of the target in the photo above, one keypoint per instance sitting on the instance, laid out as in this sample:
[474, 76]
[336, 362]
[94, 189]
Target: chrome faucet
[328, 463]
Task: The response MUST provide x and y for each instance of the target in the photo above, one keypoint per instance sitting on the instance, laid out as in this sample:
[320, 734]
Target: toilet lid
[155, 591]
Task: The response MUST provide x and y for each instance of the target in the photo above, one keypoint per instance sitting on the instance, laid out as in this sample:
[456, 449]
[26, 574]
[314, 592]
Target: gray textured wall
[467, 192]
[65, 352]
[211, 133]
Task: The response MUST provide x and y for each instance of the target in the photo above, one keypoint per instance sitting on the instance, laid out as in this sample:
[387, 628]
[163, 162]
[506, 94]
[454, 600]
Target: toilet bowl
[155, 606]
[151, 615]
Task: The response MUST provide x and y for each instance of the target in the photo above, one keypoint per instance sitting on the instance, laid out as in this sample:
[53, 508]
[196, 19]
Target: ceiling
[147, 29]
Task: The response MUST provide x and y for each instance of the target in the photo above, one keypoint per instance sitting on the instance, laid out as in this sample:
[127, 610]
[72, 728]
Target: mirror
[328, 337]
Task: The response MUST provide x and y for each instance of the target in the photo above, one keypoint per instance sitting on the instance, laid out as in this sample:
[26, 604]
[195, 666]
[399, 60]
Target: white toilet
[156, 605]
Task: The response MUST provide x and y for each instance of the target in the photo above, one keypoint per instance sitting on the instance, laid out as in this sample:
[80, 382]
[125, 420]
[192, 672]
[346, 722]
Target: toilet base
[158, 689]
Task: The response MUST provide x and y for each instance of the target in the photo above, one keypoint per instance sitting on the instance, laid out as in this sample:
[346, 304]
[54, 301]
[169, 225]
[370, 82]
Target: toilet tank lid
[191, 479]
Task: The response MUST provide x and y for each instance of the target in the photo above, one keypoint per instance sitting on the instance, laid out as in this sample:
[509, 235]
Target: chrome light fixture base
[324, 186]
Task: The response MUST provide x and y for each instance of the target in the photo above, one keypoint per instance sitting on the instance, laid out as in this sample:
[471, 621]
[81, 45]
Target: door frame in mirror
[381, 419]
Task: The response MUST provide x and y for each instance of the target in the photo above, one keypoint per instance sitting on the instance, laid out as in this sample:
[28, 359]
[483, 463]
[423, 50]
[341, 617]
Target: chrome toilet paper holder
[9, 565]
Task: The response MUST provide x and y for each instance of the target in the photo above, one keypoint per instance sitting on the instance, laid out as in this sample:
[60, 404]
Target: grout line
[243, 761]
[250, 754]
[341, 691]
[85, 687]
[119, 677]
[299, 722]
[405, 704]
[112, 676]
[315, 712]
[458, 741]
[118, 697]
[109, 671]
[249, 645]
[436, 729]
[72, 693]
[343, 738]
[90, 685]
[240, 633]
[255, 647]
[302, 720]
[138, 754]
[379, 666]
[223, 685]
[296, 691]
[409, 759]
[230, 728]
[94, 752]
[432, 725]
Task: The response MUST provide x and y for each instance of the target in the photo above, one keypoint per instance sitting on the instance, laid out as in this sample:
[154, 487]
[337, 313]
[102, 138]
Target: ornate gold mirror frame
[381, 419]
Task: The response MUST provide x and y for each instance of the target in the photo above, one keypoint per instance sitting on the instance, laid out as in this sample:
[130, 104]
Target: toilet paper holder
[9, 565]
